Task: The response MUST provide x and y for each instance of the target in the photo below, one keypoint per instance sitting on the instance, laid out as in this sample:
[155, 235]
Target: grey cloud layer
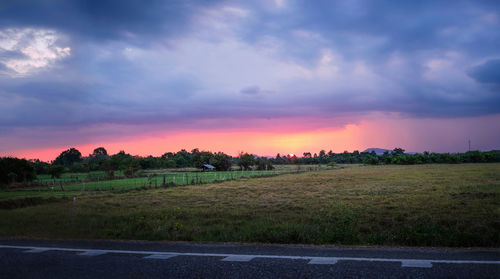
[488, 72]
[129, 60]
[102, 20]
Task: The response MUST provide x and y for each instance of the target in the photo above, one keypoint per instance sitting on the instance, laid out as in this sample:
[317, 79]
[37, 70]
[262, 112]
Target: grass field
[74, 176]
[419, 205]
[155, 179]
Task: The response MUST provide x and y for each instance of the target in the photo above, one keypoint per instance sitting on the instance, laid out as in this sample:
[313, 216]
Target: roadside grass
[418, 205]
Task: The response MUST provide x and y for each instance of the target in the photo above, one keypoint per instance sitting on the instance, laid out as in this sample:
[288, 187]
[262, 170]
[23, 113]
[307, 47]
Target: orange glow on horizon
[230, 142]
[410, 134]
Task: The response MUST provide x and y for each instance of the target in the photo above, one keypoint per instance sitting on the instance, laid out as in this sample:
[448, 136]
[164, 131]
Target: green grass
[155, 180]
[74, 177]
[421, 205]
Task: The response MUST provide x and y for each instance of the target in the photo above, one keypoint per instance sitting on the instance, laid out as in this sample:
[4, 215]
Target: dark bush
[16, 170]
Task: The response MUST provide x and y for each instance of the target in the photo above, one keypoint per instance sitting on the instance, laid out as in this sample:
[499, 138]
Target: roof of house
[208, 166]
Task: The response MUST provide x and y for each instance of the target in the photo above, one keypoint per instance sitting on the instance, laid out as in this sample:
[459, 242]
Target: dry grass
[424, 205]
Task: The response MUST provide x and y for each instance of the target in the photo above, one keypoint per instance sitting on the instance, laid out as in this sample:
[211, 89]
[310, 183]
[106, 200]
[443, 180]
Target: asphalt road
[22, 258]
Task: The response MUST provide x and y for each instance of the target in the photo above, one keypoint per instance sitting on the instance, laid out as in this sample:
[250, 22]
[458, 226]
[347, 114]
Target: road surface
[23, 258]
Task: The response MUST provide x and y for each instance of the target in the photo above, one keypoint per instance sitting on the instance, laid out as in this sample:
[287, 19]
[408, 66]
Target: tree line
[14, 170]
[396, 156]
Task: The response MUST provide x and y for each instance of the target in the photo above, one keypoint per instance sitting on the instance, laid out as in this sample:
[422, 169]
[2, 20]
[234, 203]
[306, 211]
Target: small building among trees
[208, 167]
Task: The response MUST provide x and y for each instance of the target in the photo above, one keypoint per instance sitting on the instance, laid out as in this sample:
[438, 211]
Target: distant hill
[378, 151]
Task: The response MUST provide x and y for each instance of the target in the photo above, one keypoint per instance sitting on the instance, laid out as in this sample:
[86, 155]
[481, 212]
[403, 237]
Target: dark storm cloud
[135, 21]
[374, 29]
[130, 64]
[489, 72]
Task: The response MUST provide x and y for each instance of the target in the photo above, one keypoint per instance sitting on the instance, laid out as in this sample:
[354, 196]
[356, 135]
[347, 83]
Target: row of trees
[396, 156]
[399, 157]
[73, 161]
[14, 170]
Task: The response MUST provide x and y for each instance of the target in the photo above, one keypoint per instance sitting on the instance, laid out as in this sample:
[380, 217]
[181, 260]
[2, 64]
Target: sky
[259, 76]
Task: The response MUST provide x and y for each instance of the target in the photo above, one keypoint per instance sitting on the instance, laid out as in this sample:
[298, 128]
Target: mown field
[418, 205]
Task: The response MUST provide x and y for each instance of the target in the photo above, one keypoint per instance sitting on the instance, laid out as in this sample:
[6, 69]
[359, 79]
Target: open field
[74, 177]
[423, 205]
[155, 179]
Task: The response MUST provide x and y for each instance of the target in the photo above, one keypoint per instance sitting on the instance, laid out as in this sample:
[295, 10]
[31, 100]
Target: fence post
[73, 213]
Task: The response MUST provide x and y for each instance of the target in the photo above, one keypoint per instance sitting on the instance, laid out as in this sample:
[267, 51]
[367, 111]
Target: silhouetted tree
[398, 151]
[68, 157]
[221, 161]
[201, 158]
[55, 171]
[263, 164]
[246, 161]
[100, 152]
[15, 170]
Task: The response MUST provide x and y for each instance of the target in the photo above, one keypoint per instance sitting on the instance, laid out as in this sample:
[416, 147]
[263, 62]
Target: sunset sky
[258, 76]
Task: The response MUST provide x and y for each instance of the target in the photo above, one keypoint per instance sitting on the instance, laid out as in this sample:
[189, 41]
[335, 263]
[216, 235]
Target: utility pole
[469, 145]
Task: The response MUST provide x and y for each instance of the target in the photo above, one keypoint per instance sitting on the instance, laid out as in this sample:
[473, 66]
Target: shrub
[15, 170]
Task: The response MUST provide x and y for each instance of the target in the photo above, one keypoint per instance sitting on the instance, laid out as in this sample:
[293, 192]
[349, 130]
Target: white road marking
[416, 263]
[238, 258]
[92, 253]
[160, 256]
[313, 260]
[325, 260]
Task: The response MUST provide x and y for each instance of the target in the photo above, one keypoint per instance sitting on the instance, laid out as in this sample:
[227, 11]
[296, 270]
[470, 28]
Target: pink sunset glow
[414, 135]
[249, 76]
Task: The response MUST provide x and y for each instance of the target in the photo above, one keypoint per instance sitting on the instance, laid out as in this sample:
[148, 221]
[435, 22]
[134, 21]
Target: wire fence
[71, 187]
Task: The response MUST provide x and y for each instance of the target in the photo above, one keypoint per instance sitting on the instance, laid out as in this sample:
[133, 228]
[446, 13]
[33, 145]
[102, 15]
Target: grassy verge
[423, 205]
